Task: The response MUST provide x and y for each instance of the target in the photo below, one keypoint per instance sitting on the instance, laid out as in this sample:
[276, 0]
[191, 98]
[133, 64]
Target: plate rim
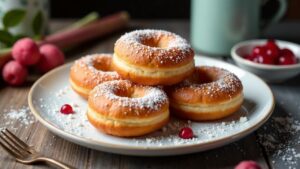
[95, 143]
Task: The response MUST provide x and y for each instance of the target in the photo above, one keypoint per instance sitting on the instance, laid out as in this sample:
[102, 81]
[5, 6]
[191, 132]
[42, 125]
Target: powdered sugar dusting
[135, 40]
[153, 99]
[20, 116]
[225, 82]
[278, 138]
[96, 75]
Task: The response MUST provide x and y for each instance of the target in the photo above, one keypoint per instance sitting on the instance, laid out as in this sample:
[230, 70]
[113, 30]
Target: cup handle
[278, 15]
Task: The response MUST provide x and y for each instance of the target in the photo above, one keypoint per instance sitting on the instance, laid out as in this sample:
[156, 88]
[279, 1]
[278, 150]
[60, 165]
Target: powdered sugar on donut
[226, 82]
[178, 44]
[153, 99]
[96, 75]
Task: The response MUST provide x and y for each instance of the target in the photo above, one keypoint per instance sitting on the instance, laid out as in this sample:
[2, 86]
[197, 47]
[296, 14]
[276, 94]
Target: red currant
[186, 133]
[287, 60]
[286, 52]
[272, 44]
[264, 59]
[258, 50]
[66, 109]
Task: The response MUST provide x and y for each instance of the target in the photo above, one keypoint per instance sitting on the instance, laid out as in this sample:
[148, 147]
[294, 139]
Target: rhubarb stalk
[96, 29]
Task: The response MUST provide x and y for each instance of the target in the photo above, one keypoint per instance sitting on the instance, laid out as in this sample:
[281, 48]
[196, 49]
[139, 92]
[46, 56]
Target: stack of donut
[151, 71]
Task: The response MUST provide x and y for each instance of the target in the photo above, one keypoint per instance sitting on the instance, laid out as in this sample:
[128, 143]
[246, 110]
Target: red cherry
[286, 52]
[186, 133]
[66, 109]
[264, 59]
[271, 44]
[287, 60]
[272, 52]
[258, 50]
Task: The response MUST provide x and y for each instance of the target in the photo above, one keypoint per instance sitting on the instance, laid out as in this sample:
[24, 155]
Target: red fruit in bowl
[258, 50]
[26, 51]
[287, 60]
[286, 52]
[249, 57]
[14, 73]
[272, 49]
[264, 59]
[51, 57]
[247, 165]
[272, 44]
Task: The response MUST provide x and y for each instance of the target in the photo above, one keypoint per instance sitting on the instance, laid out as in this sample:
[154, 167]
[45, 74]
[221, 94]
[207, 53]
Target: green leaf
[37, 23]
[13, 17]
[6, 38]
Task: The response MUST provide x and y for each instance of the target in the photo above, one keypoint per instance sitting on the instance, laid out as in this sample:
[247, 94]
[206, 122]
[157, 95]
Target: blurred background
[150, 9]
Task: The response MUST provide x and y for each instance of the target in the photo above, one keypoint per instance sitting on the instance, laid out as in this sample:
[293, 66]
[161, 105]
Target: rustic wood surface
[287, 99]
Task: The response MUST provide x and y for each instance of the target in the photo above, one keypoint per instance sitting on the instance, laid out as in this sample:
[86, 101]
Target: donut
[210, 93]
[89, 71]
[153, 57]
[122, 108]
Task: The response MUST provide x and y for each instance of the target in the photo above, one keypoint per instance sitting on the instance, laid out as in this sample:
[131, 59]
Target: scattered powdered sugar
[17, 117]
[243, 119]
[168, 135]
[280, 136]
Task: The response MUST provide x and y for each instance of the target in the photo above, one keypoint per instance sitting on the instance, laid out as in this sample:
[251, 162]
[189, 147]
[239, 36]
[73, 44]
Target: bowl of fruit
[272, 60]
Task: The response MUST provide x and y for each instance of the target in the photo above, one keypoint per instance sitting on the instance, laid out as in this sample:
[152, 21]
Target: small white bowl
[270, 73]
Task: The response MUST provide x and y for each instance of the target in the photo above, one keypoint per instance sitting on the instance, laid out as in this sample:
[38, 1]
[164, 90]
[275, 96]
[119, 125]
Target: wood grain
[80, 157]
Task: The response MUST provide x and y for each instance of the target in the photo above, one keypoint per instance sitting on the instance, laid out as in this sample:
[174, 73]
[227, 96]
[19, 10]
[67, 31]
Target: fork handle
[55, 163]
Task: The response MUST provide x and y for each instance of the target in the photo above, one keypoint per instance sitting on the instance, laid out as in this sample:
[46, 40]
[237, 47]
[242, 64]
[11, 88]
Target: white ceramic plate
[51, 91]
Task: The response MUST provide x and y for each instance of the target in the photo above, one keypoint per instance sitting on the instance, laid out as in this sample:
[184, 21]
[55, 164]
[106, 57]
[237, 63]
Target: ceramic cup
[27, 17]
[216, 25]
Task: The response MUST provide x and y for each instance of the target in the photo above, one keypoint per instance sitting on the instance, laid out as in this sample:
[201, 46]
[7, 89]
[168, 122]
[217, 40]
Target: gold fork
[24, 153]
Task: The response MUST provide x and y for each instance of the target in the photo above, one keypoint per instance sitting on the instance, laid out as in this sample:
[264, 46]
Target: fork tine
[13, 153]
[16, 142]
[13, 146]
[22, 143]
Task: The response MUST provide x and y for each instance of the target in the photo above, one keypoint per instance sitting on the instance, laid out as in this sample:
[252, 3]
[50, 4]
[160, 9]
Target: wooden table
[287, 103]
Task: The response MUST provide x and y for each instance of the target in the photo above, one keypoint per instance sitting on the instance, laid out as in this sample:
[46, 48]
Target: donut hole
[130, 93]
[202, 76]
[103, 65]
[162, 42]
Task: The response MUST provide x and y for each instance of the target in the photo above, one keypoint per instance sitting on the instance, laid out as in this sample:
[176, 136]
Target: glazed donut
[89, 71]
[211, 93]
[153, 57]
[122, 108]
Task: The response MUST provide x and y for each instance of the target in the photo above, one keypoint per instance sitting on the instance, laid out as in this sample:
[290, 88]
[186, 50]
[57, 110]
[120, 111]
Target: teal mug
[216, 25]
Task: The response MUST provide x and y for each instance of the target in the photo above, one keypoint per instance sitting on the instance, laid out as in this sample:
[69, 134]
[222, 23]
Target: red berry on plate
[287, 60]
[286, 52]
[14, 73]
[51, 57]
[26, 51]
[66, 109]
[247, 165]
[258, 50]
[186, 133]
